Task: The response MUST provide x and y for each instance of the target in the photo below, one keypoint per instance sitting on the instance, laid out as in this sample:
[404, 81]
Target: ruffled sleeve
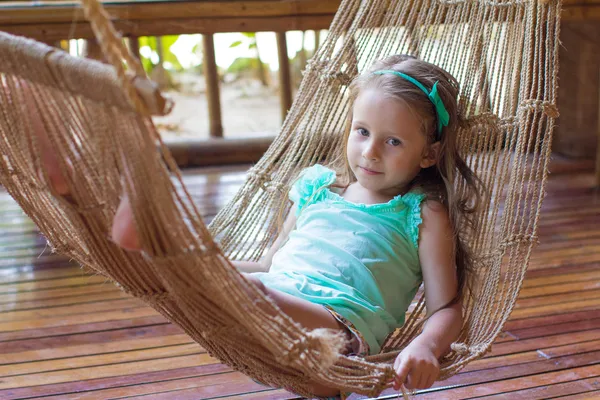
[307, 188]
[413, 202]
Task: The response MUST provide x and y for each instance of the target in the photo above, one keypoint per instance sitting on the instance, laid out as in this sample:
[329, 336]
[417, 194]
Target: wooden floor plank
[106, 370]
[83, 326]
[90, 298]
[505, 386]
[64, 352]
[139, 330]
[92, 387]
[199, 387]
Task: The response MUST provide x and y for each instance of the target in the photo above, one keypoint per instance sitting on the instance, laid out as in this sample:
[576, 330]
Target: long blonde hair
[439, 182]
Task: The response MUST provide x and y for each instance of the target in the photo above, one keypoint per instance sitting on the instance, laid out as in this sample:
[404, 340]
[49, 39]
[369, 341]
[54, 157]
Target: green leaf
[235, 44]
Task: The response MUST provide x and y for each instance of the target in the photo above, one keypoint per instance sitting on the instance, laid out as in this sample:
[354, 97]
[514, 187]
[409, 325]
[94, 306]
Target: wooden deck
[66, 334]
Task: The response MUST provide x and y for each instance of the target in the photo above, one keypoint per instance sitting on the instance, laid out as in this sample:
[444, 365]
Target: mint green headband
[442, 115]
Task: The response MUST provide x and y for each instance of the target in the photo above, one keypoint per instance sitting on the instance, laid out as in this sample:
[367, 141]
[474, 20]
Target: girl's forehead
[372, 106]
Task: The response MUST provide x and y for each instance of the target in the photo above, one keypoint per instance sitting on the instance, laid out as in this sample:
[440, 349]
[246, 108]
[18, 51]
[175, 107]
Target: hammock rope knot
[151, 297]
[342, 77]
[518, 239]
[547, 107]
[322, 69]
[327, 343]
[264, 180]
[475, 350]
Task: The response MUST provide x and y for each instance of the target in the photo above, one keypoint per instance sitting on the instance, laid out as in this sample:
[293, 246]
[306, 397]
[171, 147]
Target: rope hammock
[97, 117]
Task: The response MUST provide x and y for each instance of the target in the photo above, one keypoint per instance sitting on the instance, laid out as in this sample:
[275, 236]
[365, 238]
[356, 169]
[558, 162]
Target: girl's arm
[265, 263]
[417, 365]
[436, 253]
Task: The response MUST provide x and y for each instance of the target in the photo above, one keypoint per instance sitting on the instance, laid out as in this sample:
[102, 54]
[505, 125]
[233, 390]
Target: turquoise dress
[361, 260]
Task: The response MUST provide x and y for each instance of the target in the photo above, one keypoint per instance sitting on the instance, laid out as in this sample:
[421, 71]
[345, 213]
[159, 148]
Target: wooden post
[598, 142]
[93, 50]
[134, 46]
[212, 87]
[578, 100]
[285, 86]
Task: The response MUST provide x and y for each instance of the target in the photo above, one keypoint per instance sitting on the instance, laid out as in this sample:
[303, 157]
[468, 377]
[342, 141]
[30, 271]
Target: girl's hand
[416, 367]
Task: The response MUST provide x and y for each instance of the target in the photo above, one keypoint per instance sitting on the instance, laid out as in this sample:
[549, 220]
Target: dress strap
[413, 201]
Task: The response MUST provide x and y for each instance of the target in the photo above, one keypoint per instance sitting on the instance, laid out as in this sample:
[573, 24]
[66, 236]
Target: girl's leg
[123, 228]
[49, 160]
[123, 231]
[307, 314]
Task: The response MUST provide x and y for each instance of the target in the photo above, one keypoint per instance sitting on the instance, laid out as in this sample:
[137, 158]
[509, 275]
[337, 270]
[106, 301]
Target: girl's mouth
[369, 172]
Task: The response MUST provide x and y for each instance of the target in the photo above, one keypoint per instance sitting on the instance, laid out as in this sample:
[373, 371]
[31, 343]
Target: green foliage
[251, 36]
[242, 64]
[167, 42]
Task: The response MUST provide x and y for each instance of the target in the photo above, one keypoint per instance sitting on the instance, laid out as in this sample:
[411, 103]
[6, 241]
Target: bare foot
[123, 229]
[50, 161]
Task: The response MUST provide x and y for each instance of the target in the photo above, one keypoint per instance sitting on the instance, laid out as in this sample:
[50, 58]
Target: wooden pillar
[212, 87]
[598, 142]
[285, 85]
[134, 46]
[579, 87]
[93, 50]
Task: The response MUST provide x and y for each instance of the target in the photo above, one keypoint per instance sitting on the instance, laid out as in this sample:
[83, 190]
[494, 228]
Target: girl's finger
[403, 370]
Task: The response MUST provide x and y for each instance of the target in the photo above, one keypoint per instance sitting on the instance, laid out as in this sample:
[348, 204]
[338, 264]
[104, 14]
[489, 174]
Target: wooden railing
[52, 20]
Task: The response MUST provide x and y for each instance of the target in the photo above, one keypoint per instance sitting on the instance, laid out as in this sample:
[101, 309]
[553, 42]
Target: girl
[368, 229]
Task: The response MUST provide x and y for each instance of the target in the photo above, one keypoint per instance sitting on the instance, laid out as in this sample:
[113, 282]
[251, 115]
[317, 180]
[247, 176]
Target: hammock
[504, 54]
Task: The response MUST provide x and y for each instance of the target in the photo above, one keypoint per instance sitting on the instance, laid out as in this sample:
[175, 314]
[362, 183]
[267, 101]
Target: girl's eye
[394, 142]
[362, 132]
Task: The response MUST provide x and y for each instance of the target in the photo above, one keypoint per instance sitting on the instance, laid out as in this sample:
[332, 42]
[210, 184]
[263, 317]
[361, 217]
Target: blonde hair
[439, 182]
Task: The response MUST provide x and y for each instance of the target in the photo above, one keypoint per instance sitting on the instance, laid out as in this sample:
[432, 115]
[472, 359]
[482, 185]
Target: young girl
[366, 231]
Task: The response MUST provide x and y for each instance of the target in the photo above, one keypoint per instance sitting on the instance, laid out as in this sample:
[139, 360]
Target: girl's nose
[370, 152]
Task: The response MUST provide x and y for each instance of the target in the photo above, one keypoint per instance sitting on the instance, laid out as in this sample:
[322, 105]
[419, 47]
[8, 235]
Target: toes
[124, 233]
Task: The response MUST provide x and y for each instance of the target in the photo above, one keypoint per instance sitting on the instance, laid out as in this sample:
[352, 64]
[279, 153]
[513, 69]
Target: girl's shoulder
[311, 181]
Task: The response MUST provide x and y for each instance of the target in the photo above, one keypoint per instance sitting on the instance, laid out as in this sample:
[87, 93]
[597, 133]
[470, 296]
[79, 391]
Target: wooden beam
[285, 81]
[211, 77]
[13, 13]
[82, 30]
[159, 18]
[219, 151]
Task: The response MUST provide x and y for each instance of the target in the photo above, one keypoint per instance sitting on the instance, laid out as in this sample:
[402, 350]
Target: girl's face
[386, 147]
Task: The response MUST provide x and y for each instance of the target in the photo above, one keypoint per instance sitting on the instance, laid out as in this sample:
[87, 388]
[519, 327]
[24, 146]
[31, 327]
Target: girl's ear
[430, 156]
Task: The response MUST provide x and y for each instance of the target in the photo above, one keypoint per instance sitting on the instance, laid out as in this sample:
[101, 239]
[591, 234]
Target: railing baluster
[134, 46]
[212, 87]
[285, 86]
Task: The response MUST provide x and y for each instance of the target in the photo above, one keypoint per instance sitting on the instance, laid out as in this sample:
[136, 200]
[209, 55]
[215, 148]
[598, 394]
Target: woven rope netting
[504, 54]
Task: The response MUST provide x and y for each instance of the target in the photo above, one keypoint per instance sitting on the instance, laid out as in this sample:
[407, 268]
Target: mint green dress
[361, 260]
